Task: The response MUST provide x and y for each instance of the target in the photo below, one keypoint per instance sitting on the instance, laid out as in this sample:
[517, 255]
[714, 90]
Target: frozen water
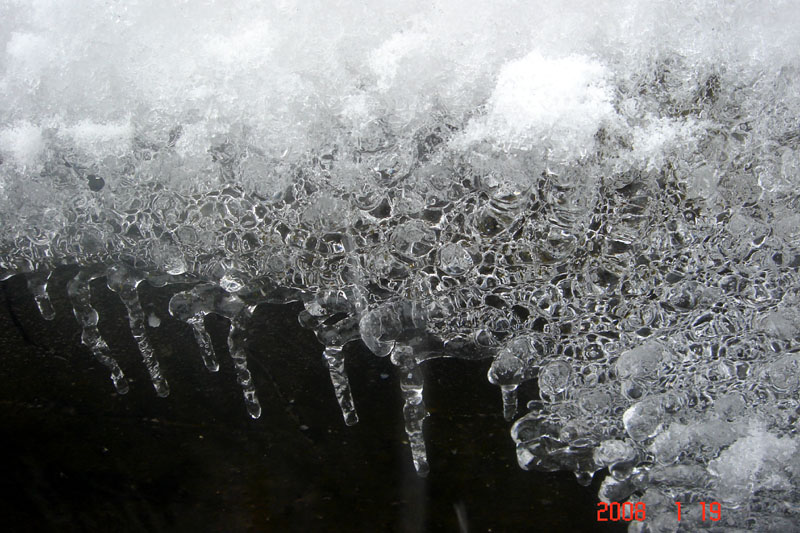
[599, 198]
[124, 281]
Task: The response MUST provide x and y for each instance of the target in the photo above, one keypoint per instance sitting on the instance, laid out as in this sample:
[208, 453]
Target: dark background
[78, 457]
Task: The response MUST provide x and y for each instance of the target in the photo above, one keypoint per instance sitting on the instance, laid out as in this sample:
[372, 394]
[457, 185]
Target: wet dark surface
[78, 457]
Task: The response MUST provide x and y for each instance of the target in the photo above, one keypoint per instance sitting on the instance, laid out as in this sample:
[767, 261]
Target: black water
[78, 457]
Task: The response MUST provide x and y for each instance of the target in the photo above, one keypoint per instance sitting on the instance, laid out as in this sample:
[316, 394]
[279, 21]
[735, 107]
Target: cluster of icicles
[662, 331]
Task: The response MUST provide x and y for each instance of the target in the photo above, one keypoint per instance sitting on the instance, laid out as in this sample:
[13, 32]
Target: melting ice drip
[601, 200]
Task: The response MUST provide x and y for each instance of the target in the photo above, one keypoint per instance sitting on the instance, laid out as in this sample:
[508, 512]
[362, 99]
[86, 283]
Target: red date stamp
[629, 511]
[710, 510]
[615, 511]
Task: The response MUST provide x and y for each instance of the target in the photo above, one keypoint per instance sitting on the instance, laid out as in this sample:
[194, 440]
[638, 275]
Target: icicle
[192, 306]
[323, 315]
[236, 346]
[341, 384]
[204, 341]
[514, 363]
[124, 281]
[509, 401]
[411, 385]
[79, 293]
[37, 284]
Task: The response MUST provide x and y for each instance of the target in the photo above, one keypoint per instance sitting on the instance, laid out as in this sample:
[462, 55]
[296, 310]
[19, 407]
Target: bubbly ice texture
[597, 196]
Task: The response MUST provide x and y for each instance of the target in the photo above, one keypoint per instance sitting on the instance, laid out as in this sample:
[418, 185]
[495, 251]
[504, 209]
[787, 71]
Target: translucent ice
[124, 281]
[599, 198]
[80, 295]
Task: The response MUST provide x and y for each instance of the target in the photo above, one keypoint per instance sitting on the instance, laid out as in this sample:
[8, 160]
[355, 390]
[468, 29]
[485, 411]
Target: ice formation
[599, 196]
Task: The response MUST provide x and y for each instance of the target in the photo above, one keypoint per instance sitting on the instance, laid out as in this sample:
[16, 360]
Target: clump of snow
[22, 143]
[558, 102]
[660, 138]
[385, 60]
[100, 138]
[758, 461]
